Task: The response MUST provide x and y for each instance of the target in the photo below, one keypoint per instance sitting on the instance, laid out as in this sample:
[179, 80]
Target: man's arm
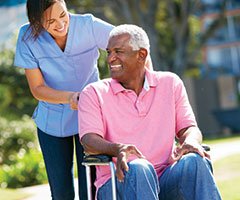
[190, 133]
[95, 144]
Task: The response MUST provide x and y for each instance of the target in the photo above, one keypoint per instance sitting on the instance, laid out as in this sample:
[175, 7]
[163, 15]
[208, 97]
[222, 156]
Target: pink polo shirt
[150, 121]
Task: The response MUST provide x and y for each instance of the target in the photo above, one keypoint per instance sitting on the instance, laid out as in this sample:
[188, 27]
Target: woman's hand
[73, 100]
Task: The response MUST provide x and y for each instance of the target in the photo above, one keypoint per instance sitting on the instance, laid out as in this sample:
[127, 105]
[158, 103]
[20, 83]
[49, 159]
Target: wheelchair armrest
[100, 159]
[206, 147]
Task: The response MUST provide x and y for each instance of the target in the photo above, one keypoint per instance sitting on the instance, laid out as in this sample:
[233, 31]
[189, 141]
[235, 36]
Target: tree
[15, 96]
[172, 26]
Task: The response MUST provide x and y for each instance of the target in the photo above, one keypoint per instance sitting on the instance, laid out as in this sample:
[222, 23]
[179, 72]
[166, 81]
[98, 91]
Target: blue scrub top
[69, 70]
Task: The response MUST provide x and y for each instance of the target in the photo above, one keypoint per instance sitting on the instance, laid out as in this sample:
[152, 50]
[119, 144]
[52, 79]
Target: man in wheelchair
[136, 116]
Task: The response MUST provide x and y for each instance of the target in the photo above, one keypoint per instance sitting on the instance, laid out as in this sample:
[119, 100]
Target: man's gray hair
[138, 37]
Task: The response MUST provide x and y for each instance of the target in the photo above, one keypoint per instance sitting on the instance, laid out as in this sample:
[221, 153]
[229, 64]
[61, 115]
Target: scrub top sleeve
[23, 56]
[101, 30]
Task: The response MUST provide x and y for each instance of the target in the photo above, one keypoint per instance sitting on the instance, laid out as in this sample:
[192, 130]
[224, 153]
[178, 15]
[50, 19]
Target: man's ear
[142, 54]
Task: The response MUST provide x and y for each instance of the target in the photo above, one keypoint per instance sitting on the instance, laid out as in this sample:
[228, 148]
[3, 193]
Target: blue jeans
[140, 182]
[58, 154]
[188, 179]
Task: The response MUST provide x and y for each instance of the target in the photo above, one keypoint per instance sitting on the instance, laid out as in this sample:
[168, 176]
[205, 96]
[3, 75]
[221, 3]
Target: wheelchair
[97, 160]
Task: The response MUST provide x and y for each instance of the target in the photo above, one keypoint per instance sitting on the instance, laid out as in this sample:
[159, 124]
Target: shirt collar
[146, 85]
[116, 86]
[150, 81]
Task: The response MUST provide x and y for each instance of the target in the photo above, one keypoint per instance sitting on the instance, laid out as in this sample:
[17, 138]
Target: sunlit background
[197, 39]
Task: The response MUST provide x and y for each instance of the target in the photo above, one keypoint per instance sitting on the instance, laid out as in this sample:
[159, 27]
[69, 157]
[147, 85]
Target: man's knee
[141, 174]
[193, 162]
[140, 165]
[141, 169]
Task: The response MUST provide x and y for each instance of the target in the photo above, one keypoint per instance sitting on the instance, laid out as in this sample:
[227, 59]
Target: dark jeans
[58, 154]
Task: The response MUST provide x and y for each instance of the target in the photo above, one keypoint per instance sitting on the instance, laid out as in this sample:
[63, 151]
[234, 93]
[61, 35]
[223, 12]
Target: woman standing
[59, 52]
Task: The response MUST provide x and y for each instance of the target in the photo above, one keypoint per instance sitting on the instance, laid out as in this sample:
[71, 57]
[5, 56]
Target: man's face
[122, 60]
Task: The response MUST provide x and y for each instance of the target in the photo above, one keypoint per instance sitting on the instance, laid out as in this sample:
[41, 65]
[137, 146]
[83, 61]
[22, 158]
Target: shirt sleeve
[23, 56]
[89, 113]
[101, 30]
[184, 113]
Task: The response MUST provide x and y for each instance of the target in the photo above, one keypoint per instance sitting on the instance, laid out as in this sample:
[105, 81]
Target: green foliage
[26, 171]
[5, 96]
[102, 65]
[16, 139]
[165, 35]
[15, 96]
[21, 162]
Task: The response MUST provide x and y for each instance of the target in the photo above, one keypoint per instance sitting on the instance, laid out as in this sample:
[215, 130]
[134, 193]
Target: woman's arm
[44, 93]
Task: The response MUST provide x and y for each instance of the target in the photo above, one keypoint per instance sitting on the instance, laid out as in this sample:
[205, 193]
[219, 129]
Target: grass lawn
[227, 174]
[223, 140]
[227, 170]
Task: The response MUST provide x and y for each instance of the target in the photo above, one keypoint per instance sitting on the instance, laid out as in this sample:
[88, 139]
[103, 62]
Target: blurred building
[216, 93]
[222, 50]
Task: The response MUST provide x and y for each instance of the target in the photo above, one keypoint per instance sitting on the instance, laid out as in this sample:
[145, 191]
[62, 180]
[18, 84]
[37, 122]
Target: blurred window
[210, 6]
[220, 35]
[237, 26]
[235, 3]
[224, 60]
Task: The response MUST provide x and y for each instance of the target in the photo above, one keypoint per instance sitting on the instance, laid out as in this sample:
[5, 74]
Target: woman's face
[56, 20]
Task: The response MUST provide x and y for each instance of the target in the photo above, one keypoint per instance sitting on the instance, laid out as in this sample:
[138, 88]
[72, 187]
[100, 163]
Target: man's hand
[94, 144]
[189, 146]
[190, 140]
[122, 158]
